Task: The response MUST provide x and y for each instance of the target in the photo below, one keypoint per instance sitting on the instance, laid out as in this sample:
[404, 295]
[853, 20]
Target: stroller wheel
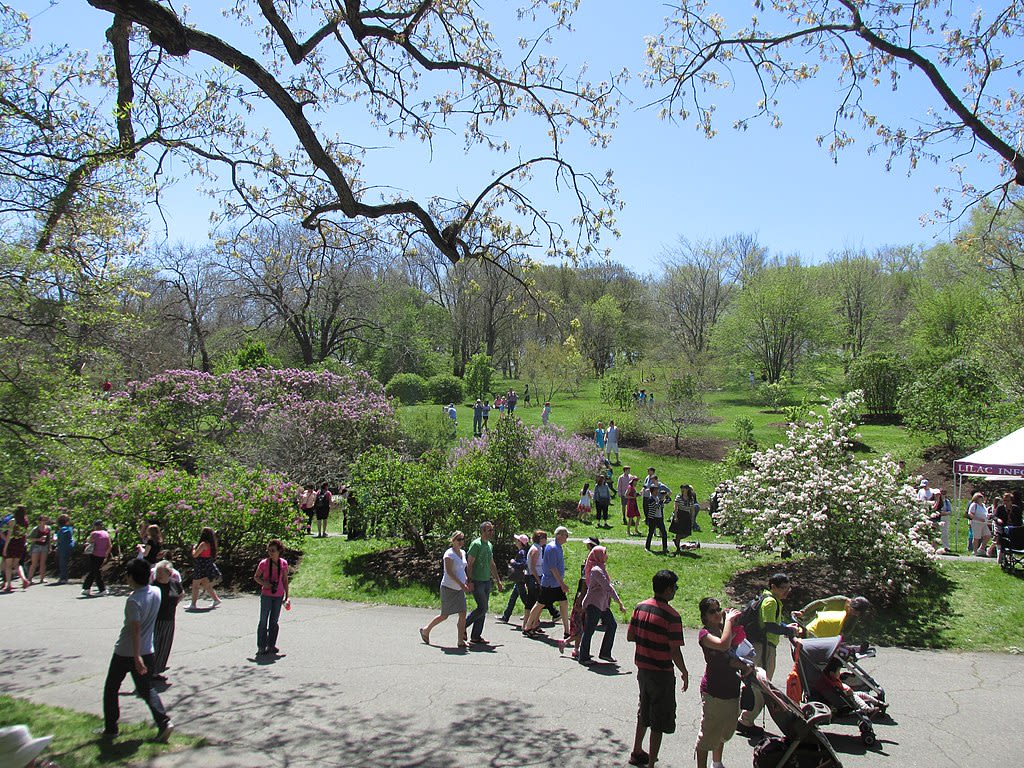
[867, 735]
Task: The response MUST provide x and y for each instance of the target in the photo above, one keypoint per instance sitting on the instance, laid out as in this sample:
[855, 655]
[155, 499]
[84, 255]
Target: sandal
[639, 758]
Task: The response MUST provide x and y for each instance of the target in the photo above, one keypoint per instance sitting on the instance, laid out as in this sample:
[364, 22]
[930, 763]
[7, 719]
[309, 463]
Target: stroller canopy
[818, 651]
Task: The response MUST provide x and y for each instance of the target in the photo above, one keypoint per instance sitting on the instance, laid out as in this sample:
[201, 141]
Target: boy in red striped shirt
[657, 631]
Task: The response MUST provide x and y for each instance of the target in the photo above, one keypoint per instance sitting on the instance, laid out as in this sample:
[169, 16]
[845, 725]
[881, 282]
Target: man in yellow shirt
[833, 616]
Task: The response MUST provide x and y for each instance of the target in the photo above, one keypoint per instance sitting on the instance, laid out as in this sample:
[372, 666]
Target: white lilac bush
[813, 496]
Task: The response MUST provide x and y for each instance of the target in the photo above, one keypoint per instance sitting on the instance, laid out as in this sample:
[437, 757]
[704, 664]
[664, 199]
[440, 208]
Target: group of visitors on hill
[653, 497]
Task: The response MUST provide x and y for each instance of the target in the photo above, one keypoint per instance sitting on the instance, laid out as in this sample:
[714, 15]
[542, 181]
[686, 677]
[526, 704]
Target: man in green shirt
[480, 568]
[765, 638]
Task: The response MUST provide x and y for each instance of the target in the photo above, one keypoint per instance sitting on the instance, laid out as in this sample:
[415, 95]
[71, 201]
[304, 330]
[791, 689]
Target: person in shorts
[552, 584]
[657, 631]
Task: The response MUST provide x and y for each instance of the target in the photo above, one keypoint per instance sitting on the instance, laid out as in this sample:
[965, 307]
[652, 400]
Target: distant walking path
[357, 687]
[641, 540]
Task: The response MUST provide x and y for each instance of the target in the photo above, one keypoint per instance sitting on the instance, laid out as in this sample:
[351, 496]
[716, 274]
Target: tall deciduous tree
[319, 289]
[777, 321]
[968, 59]
[861, 293]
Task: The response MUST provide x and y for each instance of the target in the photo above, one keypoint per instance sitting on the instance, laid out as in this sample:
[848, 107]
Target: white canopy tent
[1003, 460]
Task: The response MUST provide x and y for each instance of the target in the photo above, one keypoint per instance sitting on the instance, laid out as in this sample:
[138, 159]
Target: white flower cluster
[813, 496]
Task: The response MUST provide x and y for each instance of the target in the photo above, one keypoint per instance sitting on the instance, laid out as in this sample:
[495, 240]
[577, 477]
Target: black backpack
[750, 619]
[322, 502]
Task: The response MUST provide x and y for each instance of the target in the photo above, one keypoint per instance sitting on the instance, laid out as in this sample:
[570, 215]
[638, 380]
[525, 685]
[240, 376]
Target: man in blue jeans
[133, 654]
[480, 568]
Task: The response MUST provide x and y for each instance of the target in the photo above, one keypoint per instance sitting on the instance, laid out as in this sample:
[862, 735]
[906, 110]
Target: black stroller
[802, 745]
[1011, 541]
[824, 665]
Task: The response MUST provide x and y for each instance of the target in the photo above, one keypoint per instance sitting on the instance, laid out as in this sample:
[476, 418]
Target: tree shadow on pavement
[312, 726]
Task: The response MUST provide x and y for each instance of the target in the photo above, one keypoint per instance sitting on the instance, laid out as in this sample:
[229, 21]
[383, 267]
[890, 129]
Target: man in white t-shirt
[924, 492]
[134, 654]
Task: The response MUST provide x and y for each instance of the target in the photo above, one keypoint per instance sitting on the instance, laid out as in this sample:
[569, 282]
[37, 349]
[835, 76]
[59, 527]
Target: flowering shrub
[514, 476]
[813, 496]
[245, 507]
[307, 425]
[547, 453]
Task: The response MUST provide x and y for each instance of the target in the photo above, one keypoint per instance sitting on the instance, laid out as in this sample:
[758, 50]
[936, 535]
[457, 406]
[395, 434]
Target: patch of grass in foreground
[75, 745]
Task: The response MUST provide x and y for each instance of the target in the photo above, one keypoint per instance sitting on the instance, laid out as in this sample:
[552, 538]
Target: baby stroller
[1011, 541]
[802, 745]
[825, 665]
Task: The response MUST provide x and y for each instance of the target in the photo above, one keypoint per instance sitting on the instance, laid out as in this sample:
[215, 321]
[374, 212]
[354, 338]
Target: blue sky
[776, 183]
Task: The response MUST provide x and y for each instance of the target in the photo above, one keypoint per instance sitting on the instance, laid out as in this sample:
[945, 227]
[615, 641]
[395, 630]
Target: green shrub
[773, 396]
[245, 507]
[479, 374]
[515, 476]
[408, 388]
[425, 430]
[617, 390]
[445, 388]
[879, 376]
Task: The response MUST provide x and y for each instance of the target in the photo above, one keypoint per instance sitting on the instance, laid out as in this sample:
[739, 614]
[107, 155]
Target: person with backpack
[762, 620]
[322, 508]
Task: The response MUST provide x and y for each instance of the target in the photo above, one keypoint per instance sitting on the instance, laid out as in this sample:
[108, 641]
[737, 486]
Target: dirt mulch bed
[404, 565]
[697, 448]
[812, 579]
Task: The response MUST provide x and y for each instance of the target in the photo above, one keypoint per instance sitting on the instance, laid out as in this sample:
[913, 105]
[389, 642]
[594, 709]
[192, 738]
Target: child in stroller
[820, 667]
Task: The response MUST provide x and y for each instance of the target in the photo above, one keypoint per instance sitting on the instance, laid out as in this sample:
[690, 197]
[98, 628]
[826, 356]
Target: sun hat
[18, 748]
[594, 541]
[522, 538]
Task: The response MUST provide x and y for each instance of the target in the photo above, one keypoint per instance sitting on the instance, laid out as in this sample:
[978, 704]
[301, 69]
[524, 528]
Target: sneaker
[716, 764]
[502, 620]
[609, 659]
[85, 592]
[639, 758]
[273, 649]
[104, 733]
[165, 732]
[102, 593]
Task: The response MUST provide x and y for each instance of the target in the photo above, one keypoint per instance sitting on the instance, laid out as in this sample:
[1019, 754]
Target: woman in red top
[205, 554]
[632, 511]
[720, 686]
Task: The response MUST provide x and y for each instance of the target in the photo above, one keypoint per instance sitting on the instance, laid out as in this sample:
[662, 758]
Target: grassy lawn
[75, 745]
[970, 606]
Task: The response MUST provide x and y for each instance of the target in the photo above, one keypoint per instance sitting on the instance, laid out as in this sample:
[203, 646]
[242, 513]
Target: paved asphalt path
[357, 687]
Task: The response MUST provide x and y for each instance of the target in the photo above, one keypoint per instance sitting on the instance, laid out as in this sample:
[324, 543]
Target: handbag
[516, 573]
[88, 548]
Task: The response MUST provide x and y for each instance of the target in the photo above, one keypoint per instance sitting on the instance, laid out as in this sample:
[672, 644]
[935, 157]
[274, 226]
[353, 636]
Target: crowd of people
[538, 571]
[653, 498]
[986, 520]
